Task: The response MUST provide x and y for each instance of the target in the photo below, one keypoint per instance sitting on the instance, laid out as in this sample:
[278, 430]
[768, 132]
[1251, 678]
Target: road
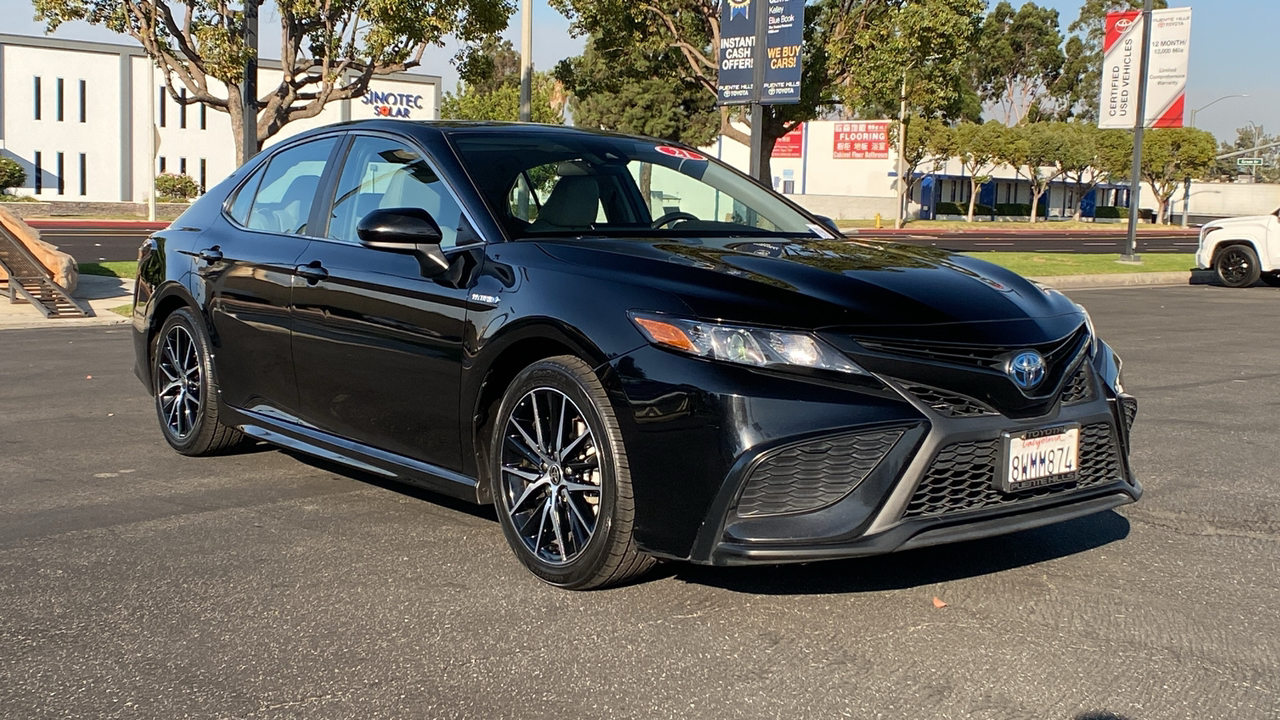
[135, 583]
[121, 243]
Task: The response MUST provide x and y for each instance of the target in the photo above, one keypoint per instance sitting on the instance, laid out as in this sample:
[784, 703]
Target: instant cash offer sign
[779, 53]
[1166, 78]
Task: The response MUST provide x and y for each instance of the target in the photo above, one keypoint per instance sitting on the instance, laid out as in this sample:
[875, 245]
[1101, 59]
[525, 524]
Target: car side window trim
[329, 198]
[339, 143]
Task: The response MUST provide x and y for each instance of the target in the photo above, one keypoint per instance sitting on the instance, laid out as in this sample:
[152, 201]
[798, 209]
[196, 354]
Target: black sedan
[632, 350]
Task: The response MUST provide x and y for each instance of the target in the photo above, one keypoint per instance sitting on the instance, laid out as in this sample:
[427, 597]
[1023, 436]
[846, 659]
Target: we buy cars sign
[1166, 77]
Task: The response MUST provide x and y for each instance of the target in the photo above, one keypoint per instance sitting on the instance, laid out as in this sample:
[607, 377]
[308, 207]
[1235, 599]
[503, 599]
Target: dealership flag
[1166, 80]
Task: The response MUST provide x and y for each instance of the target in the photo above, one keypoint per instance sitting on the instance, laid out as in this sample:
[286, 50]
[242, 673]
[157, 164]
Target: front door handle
[210, 255]
[313, 272]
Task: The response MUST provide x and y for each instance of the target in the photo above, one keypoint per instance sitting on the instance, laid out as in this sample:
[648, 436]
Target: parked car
[634, 351]
[1242, 250]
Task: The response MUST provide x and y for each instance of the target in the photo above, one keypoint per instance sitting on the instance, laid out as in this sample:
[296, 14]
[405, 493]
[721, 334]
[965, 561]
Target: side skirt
[275, 428]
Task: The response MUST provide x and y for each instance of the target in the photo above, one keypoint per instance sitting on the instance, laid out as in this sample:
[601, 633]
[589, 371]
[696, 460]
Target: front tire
[186, 396]
[560, 478]
[1237, 266]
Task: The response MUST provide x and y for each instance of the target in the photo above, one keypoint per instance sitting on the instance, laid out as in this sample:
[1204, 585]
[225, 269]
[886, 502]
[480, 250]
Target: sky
[1233, 51]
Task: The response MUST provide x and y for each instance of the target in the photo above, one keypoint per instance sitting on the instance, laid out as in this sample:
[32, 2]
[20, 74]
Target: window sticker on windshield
[822, 232]
[681, 153]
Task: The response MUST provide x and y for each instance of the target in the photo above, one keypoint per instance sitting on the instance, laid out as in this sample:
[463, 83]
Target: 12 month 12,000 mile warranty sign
[1037, 458]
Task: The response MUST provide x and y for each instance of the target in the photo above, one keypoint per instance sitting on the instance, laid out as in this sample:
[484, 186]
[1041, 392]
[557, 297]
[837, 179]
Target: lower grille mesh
[963, 475]
[1129, 405]
[814, 475]
[949, 404]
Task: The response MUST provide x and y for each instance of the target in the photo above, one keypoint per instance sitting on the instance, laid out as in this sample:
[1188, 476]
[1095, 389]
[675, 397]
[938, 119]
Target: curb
[98, 321]
[1122, 280]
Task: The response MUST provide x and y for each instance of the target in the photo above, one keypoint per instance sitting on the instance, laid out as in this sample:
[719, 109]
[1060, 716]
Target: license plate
[1037, 458]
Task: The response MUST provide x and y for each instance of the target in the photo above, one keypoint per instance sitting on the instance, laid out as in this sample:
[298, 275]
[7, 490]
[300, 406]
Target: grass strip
[118, 269]
[1033, 264]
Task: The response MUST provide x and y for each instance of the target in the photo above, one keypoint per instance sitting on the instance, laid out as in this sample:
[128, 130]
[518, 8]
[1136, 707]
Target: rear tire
[186, 395]
[1237, 266]
[560, 478]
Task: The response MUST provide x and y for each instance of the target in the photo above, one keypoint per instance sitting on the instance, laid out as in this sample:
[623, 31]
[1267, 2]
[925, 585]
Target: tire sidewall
[197, 436]
[555, 375]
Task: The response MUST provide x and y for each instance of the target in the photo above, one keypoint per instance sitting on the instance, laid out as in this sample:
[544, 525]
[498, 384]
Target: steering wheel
[672, 217]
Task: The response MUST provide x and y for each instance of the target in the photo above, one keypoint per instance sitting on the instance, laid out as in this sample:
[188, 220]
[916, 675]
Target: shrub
[1014, 209]
[11, 175]
[1111, 213]
[950, 208]
[171, 187]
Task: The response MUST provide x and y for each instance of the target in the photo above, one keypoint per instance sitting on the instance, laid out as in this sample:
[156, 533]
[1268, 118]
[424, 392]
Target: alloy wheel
[1236, 266]
[181, 391]
[551, 476]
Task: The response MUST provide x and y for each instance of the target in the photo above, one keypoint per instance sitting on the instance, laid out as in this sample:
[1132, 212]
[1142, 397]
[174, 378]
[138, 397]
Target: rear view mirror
[405, 230]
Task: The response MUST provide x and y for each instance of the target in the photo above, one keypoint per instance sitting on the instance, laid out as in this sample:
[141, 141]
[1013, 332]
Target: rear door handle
[210, 255]
[313, 272]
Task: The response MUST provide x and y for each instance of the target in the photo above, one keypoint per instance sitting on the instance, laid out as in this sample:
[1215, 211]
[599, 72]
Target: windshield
[571, 184]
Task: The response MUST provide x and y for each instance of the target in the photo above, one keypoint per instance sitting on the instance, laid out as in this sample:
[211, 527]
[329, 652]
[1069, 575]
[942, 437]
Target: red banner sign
[790, 145]
[862, 140]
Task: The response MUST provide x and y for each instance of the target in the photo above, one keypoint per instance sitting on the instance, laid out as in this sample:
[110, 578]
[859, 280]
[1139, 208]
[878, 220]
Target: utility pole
[902, 156]
[526, 61]
[759, 59]
[249, 87]
[1130, 251]
[152, 89]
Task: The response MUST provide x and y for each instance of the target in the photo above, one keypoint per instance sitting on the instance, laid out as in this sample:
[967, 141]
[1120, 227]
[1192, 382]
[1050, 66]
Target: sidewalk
[100, 293]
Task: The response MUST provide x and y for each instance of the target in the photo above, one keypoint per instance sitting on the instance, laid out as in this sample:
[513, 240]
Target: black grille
[949, 404]
[1080, 387]
[963, 475]
[814, 475]
[985, 356]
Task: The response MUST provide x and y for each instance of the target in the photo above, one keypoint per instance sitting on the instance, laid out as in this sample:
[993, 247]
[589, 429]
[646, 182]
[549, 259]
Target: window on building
[62, 174]
[58, 101]
[37, 97]
[84, 179]
[204, 187]
[204, 117]
[84, 92]
[182, 111]
[162, 164]
[161, 107]
[39, 172]
[182, 166]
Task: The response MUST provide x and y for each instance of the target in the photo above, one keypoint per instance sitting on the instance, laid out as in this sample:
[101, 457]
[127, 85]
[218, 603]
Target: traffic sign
[1249, 162]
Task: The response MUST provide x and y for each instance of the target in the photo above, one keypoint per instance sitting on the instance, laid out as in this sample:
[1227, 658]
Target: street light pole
[1192, 121]
[526, 61]
[902, 156]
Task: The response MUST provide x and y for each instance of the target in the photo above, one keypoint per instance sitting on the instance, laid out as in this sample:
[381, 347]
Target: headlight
[758, 347]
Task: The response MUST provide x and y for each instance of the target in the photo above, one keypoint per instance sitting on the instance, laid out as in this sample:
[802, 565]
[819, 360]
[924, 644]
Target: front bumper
[864, 470]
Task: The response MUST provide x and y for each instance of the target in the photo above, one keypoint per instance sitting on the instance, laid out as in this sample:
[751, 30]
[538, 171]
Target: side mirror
[405, 230]
[829, 224]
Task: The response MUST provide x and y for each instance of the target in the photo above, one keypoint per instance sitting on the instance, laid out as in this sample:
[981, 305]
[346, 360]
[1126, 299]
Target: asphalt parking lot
[135, 583]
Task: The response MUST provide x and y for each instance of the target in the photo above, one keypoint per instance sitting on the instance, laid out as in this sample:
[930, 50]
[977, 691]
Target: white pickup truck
[1242, 250]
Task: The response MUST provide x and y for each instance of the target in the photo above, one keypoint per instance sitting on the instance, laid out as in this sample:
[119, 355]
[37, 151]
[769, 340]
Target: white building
[74, 115]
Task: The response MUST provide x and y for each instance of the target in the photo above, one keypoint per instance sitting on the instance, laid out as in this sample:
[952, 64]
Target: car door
[246, 263]
[377, 346]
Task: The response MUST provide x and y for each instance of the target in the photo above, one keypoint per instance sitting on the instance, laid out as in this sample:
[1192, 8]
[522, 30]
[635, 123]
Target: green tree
[978, 148]
[470, 102]
[329, 50]
[174, 187]
[883, 52]
[491, 64]
[1019, 58]
[1248, 138]
[1090, 156]
[1081, 83]
[1034, 149]
[11, 175]
[641, 90]
[928, 143]
[1170, 156]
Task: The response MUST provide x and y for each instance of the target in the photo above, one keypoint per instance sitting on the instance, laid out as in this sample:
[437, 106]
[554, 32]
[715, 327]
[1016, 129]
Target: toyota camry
[632, 350]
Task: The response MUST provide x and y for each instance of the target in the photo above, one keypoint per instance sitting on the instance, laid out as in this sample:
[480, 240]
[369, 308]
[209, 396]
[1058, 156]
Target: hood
[864, 288]
[1239, 221]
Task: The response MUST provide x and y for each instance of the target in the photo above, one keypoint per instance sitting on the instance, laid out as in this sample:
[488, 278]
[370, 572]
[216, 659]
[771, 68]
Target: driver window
[667, 192]
[384, 173]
